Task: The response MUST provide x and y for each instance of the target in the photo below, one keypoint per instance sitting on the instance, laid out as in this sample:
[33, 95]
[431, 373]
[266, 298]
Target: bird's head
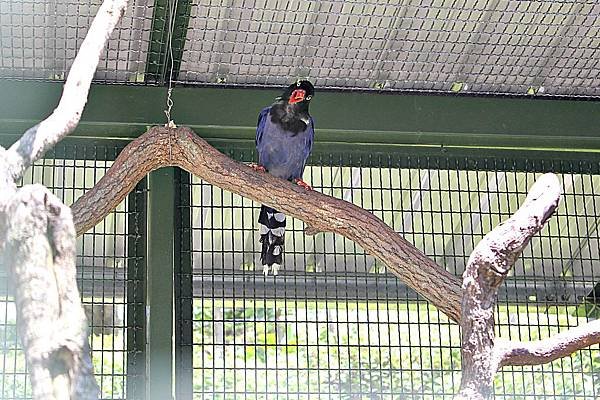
[299, 92]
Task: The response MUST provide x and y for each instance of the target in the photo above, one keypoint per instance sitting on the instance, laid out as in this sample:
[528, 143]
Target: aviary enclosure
[435, 116]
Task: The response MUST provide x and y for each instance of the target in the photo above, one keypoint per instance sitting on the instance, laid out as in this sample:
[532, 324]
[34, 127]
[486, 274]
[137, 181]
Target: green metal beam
[160, 261]
[158, 62]
[124, 112]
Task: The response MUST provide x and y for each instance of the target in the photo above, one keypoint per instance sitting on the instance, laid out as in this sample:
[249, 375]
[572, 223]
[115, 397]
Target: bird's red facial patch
[297, 96]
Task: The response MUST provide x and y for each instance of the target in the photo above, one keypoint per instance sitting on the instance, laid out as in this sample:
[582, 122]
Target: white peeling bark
[43, 136]
[550, 349]
[40, 249]
[37, 239]
[488, 266]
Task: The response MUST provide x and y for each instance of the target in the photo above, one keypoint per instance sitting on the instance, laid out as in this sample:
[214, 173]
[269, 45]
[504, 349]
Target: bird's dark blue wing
[260, 125]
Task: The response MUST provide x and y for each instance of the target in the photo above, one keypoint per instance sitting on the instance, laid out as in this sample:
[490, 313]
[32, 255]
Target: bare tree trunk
[40, 247]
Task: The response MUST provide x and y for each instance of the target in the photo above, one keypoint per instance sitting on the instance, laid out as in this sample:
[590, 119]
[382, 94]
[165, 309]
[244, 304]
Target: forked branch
[488, 266]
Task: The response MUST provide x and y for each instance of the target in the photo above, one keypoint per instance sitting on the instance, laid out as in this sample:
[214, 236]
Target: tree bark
[550, 349]
[490, 262]
[64, 119]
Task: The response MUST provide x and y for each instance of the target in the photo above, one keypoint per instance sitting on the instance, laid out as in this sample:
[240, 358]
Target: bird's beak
[297, 96]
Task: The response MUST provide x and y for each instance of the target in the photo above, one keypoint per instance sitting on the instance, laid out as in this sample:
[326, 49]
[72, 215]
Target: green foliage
[8, 334]
[361, 351]
[351, 350]
[109, 366]
[13, 381]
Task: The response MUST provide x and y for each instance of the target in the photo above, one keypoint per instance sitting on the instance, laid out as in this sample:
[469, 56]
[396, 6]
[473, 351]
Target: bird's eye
[308, 97]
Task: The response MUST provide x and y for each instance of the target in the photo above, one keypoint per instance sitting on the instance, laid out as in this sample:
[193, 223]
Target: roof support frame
[350, 120]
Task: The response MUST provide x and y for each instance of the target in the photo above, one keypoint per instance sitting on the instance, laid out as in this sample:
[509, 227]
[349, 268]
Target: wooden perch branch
[488, 266]
[37, 239]
[490, 262]
[160, 147]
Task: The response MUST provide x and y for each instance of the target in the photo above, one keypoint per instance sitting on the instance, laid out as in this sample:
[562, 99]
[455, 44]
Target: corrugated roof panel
[516, 47]
[473, 46]
[39, 39]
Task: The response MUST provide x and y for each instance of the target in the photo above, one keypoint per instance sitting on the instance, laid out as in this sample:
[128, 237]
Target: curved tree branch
[161, 147]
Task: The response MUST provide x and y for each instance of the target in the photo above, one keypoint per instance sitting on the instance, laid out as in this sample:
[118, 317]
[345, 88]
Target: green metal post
[136, 293]
[184, 289]
[161, 260]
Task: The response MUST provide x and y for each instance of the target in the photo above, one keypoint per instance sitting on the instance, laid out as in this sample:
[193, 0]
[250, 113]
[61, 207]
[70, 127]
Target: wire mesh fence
[334, 324]
[108, 269]
[543, 48]
[475, 46]
[39, 40]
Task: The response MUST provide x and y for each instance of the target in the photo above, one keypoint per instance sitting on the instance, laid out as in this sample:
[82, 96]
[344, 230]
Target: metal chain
[169, 103]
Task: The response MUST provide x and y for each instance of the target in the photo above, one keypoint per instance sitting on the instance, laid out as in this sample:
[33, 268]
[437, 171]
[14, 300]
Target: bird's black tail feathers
[272, 231]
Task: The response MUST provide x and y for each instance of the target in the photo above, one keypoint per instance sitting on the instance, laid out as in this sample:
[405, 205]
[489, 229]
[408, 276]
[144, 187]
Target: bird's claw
[257, 167]
[303, 184]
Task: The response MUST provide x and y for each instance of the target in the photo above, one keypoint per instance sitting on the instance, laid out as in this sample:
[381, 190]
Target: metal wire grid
[515, 47]
[335, 325]
[474, 46]
[105, 271]
[39, 39]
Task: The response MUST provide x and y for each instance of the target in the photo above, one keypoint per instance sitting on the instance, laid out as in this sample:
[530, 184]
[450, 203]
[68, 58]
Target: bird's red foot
[257, 167]
[303, 184]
